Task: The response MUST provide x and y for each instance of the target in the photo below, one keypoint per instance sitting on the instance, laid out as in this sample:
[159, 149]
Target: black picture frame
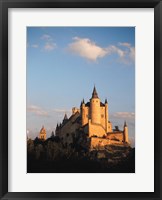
[4, 5]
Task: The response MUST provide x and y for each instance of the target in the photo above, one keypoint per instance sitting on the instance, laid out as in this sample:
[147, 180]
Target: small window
[102, 115]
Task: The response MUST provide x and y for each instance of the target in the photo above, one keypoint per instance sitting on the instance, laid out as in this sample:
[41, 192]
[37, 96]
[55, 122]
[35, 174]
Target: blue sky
[64, 63]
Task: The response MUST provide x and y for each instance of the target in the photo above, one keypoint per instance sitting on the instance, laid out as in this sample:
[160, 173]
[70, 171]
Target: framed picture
[80, 99]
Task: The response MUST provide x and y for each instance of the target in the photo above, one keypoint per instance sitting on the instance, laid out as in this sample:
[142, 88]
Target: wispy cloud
[89, 50]
[46, 37]
[49, 45]
[125, 115]
[61, 110]
[37, 110]
[34, 45]
[129, 52]
[125, 44]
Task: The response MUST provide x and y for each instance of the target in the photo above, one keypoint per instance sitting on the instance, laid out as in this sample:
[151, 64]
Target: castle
[92, 120]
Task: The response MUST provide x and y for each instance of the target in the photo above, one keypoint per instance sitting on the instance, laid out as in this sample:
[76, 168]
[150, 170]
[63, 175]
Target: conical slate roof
[94, 94]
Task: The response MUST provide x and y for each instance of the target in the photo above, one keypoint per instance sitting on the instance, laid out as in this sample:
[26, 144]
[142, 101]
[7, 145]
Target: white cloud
[49, 46]
[89, 50]
[37, 110]
[86, 48]
[114, 49]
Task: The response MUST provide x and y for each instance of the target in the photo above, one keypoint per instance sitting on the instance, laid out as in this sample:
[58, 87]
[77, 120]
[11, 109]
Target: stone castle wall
[116, 136]
[99, 142]
[68, 129]
[95, 129]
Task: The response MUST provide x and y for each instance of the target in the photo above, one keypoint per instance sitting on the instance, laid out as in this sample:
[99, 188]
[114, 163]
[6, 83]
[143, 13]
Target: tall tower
[95, 108]
[126, 133]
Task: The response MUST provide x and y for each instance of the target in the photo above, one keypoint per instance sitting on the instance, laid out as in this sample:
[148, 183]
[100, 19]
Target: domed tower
[42, 134]
[95, 108]
[125, 133]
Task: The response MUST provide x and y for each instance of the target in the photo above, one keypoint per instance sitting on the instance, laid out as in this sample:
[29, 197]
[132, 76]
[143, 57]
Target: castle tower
[106, 115]
[42, 133]
[95, 115]
[125, 133]
[83, 113]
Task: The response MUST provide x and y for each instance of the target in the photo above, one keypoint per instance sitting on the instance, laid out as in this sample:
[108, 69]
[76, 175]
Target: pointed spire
[125, 124]
[82, 102]
[42, 128]
[57, 126]
[94, 94]
[105, 100]
[65, 117]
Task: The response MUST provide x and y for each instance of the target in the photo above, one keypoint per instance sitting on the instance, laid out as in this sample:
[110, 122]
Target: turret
[95, 108]
[83, 113]
[125, 133]
[65, 118]
[106, 115]
[57, 130]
